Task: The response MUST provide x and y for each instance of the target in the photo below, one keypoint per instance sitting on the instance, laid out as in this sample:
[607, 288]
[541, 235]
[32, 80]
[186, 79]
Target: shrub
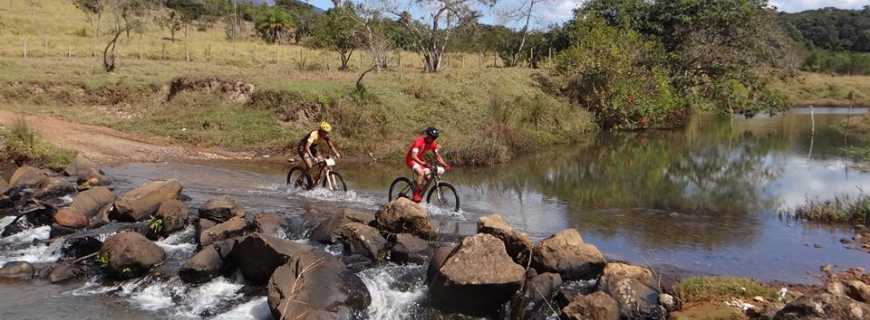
[841, 209]
[22, 144]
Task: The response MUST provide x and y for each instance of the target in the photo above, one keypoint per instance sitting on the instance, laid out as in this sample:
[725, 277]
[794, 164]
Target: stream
[712, 198]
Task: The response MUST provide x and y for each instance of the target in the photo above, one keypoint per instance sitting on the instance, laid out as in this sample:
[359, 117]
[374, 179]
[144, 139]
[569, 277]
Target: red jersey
[421, 147]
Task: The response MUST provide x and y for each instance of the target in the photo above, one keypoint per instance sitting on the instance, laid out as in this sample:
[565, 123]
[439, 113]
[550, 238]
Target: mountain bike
[299, 179]
[440, 194]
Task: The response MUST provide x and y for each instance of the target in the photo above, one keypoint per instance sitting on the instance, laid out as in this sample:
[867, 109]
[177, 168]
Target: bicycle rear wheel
[444, 196]
[299, 179]
[401, 188]
[337, 182]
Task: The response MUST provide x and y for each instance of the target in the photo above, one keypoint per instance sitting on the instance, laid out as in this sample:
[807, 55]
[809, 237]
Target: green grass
[841, 209]
[700, 289]
[20, 143]
[821, 89]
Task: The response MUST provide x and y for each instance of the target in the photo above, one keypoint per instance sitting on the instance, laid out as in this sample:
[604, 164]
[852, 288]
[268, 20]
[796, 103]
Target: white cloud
[801, 5]
[558, 10]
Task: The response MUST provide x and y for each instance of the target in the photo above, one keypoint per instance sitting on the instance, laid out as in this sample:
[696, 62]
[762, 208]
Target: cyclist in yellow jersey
[307, 147]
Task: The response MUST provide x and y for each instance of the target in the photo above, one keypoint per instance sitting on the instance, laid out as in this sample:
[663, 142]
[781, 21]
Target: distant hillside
[291, 3]
[830, 28]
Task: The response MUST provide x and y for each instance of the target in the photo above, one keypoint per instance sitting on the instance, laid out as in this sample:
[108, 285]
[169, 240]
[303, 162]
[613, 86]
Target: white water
[389, 302]
[257, 309]
[335, 196]
[179, 242]
[38, 253]
[5, 221]
[41, 233]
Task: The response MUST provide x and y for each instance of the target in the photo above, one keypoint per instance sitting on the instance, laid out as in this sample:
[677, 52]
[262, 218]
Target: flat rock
[17, 270]
[404, 216]
[566, 254]
[409, 248]
[129, 254]
[71, 219]
[518, 245]
[234, 227]
[362, 239]
[479, 267]
[258, 255]
[221, 209]
[28, 176]
[144, 201]
[174, 214]
[596, 306]
[91, 201]
[209, 263]
[63, 272]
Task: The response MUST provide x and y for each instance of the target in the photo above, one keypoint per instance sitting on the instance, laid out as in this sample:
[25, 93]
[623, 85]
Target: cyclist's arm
[440, 159]
[332, 146]
[308, 144]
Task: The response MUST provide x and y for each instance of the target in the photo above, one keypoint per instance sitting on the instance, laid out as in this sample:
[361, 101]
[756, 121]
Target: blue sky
[556, 11]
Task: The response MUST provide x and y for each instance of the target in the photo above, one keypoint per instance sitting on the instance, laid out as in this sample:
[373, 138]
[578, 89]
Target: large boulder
[209, 263]
[4, 186]
[316, 285]
[518, 245]
[858, 290]
[234, 227]
[566, 254]
[326, 222]
[221, 209]
[270, 223]
[80, 166]
[535, 303]
[408, 248]
[364, 240]
[174, 214]
[27, 176]
[69, 218]
[91, 201]
[405, 216]
[824, 306]
[479, 267]
[200, 226]
[129, 254]
[144, 201]
[80, 246]
[596, 306]
[439, 257]
[17, 270]
[636, 300]
[258, 255]
[616, 271]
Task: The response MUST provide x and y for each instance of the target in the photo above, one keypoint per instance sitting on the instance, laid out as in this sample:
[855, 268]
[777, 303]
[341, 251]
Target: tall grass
[841, 209]
[698, 289]
[22, 144]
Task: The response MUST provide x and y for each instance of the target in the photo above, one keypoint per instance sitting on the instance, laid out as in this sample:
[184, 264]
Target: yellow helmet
[325, 127]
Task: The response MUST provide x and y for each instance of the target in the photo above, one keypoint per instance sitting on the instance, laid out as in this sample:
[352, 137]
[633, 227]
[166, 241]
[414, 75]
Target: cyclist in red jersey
[414, 159]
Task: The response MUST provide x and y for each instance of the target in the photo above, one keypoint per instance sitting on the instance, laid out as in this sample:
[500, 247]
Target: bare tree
[441, 18]
[128, 16]
[522, 13]
[93, 10]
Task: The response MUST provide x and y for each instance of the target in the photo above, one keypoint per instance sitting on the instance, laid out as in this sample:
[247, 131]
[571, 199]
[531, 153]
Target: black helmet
[432, 132]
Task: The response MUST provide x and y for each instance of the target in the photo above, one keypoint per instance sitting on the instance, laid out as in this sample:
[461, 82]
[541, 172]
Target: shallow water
[706, 199]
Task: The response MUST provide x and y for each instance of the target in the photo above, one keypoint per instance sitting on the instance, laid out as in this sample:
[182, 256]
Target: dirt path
[108, 145]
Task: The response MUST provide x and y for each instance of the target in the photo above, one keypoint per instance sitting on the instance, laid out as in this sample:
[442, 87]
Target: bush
[616, 74]
[22, 144]
[841, 209]
[851, 63]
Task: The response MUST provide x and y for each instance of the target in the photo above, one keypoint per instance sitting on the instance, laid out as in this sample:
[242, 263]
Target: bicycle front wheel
[299, 179]
[444, 196]
[337, 182]
[401, 188]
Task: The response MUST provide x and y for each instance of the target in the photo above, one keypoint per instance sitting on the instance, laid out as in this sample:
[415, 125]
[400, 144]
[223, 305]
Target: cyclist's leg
[420, 174]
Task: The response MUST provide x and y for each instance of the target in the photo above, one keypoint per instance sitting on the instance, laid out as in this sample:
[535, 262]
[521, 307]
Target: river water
[712, 198]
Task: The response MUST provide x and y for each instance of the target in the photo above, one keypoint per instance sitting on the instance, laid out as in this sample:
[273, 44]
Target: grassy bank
[858, 127]
[20, 144]
[841, 209]
[826, 90]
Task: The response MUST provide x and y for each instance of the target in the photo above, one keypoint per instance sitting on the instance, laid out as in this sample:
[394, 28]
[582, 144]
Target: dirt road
[106, 145]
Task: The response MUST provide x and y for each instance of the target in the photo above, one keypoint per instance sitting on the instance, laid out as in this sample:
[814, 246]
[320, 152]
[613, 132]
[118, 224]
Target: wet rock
[357, 262]
[174, 214]
[636, 299]
[271, 224]
[404, 216]
[200, 226]
[566, 254]
[91, 201]
[62, 272]
[258, 255]
[858, 290]
[364, 240]
[234, 227]
[534, 302]
[221, 209]
[518, 245]
[81, 246]
[102, 217]
[479, 267]
[326, 223]
[409, 248]
[71, 219]
[54, 188]
[93, 178]
[80, 166]
[17, 270]
[4, 186]
[59, 231]
[144, 201]
[28, 176]
[209, 263]
[616, 271]
[596, 306]
[542, 286]
[439, 257]
[668, 302]
[316, 285]
[824, 306]
[129, 254]
[570, 290]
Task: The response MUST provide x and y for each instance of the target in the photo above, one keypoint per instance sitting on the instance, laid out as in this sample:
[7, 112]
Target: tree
[339, 30]
[128, 16]
[273, 24]
[179, 14]
[523, 13]
[93, 10]
[441, 18]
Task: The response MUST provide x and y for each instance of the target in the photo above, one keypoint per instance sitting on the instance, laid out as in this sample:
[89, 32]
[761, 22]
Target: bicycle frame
[326, 169]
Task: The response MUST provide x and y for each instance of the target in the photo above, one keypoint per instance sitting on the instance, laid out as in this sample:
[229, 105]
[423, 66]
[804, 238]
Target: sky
[557, 11]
